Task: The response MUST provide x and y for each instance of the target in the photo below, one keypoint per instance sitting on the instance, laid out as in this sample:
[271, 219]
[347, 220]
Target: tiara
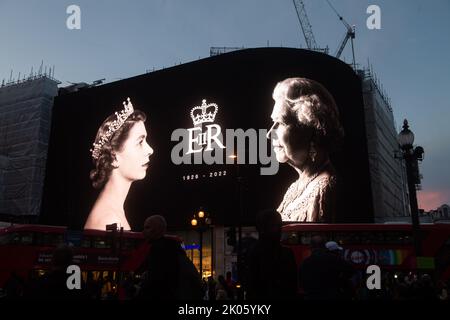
[121, 117]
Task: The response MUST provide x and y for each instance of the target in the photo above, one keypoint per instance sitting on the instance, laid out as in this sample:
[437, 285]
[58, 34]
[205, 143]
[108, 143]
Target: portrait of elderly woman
[305, 130]
[120, 155]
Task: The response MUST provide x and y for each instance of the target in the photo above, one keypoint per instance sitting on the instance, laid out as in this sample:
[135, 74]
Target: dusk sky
[120, 39]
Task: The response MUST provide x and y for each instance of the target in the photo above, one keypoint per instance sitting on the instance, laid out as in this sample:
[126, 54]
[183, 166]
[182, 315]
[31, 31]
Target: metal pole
[240, 232]
[201, 253]
[213, 258]
[239, 242]
[409, 158]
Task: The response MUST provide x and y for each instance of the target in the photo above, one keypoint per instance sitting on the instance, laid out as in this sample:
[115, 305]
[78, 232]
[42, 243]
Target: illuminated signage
[202, 143]
[213, 131]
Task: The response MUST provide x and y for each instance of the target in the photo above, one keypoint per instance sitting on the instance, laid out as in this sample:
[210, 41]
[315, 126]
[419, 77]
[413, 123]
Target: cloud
[430, 200]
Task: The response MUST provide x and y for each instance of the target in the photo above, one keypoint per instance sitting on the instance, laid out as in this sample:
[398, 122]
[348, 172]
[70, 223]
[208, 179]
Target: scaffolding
[25, 109]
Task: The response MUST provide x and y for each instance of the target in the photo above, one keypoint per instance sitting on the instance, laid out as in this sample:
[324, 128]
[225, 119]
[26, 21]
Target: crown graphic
[121, 117]
[204, 113]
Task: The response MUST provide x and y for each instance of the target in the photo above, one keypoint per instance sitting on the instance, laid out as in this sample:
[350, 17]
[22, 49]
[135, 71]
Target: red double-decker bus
[27, 250]
[390, 246]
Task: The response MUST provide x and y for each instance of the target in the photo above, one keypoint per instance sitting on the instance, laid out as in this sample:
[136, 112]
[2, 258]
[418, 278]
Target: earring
[312, 152]
[114, 163]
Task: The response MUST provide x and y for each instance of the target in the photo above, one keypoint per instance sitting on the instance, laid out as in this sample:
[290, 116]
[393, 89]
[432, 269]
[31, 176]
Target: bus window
[355, 238]
[27, 238]
[447, 243]
[43, 239]
[305, 238]
[128, 244]
[49, 239]
[101, 243]
[378, 238]
[290, 238]
[343, 238]
[5, 239]
[15, 238]
[397, 237]
[366, 237]
[86, 242]
[22, 238]
[406, 238]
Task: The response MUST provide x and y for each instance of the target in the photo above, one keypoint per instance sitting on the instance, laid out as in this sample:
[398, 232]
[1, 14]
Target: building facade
[440, 213]
[387, 170]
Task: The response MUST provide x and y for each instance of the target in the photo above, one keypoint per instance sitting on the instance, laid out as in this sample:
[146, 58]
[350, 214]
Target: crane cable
[337, 13]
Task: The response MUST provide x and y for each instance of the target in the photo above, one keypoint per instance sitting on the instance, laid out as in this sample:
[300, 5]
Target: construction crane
[304, 23]
[349, 35]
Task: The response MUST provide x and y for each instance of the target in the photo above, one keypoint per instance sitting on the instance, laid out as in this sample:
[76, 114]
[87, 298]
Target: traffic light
[231, 236]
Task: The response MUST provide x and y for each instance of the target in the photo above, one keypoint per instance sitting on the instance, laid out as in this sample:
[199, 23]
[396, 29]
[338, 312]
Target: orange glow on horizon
[431, 200]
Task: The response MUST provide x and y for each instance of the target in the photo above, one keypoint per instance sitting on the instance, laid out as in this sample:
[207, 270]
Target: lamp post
[201, 222]
[412, 155]
[240, 190]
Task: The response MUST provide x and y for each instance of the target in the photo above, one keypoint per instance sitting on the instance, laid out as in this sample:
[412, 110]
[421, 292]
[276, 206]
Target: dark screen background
[241, 83]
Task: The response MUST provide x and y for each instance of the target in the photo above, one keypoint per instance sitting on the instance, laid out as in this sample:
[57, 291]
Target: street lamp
[201, 222]
[412, 155]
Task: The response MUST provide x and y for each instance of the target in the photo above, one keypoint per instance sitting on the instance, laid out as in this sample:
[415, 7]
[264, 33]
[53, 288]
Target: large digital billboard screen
[232, 134]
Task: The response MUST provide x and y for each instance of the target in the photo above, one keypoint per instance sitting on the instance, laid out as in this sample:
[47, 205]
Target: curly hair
[312, 106]
[104, 164]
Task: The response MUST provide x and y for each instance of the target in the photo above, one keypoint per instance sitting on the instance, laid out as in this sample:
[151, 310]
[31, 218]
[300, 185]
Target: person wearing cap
[334, 248]
[323, 273]
[346, 288]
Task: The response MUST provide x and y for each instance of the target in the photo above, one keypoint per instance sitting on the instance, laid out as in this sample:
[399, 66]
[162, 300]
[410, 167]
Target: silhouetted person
[425, 288]
[161, 278]
[14, 287]
[222, 290]
[322, 273]
[126, 289]
[271, 271]
[107, 291]
[170, 274]
[53, 285]
[345, 286]
[211, 289]
[231, 284]
[92, 288]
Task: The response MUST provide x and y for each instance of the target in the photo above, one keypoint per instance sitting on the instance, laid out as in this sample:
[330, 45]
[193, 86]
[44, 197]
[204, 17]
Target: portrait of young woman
[121, 155]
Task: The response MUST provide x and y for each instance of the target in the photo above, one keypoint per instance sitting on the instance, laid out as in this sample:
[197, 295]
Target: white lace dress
[313, 204]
